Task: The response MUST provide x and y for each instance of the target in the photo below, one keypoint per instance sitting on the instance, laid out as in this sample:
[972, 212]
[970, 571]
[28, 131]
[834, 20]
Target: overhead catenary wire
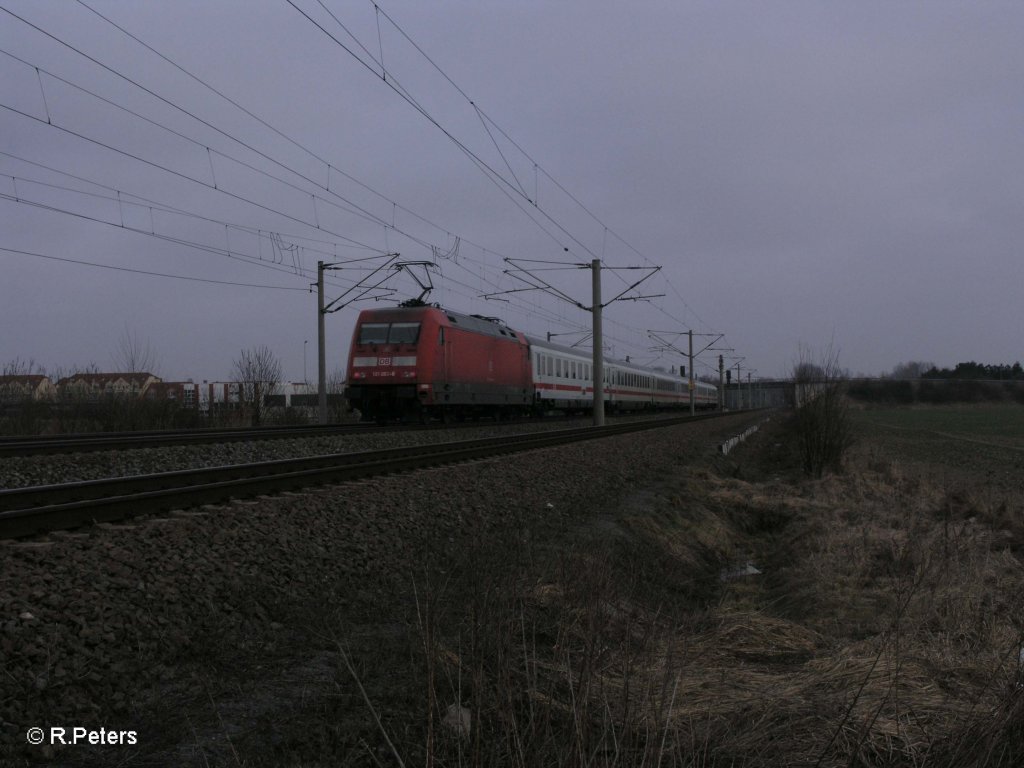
[152, 205]
[354, 209]
[508, 187]
[329, 166]
[180, 241]
[538, 167]
[479, 270]
[146, 272]
[360, 211]
[489, 172]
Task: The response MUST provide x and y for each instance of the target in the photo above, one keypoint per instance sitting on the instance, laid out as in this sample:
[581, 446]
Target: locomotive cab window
[389, 333]
[373, 333]
[404, 333]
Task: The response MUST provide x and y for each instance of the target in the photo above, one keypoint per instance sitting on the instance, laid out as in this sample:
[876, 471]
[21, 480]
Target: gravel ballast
[18, 472]
[136, 627]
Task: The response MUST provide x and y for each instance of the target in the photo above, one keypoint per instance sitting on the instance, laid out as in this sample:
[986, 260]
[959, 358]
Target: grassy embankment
[885, 627]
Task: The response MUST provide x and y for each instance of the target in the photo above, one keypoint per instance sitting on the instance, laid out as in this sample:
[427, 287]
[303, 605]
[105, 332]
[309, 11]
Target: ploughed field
[985, 439]
[631, 601]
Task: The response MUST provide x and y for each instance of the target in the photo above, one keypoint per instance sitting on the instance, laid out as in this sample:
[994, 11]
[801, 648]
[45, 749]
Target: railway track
[39, 509]
[118, 441]
[86, 442]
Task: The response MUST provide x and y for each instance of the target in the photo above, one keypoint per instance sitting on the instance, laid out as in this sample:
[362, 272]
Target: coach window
[572, 370]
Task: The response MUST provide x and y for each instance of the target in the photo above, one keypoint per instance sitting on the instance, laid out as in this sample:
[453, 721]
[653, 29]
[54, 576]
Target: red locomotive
[423, 362]
[418, 362]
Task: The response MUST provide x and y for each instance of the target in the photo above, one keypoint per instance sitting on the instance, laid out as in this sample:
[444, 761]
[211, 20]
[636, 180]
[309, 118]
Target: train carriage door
[445, 341]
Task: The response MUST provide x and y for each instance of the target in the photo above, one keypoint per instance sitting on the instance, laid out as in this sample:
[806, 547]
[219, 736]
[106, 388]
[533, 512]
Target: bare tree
[336, 404]
[258, 371]
[822, 416]
[134, 355]
[19, 367]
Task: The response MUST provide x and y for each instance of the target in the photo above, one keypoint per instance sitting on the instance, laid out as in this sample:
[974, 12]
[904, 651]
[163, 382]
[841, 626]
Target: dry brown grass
[886, 629]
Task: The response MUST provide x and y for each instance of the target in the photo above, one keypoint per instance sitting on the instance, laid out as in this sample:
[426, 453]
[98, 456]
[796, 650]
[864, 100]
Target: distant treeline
[936, 390]
[974, 370]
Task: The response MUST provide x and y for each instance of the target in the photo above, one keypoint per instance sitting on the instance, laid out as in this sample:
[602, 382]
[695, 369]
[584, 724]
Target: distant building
[292, 394]
[220, 396]
[93, 386]
[231, 395]
[26, 387]
[184, 393]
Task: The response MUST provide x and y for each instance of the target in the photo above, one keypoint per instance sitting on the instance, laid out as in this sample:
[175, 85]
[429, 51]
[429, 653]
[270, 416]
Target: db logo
[383, 361]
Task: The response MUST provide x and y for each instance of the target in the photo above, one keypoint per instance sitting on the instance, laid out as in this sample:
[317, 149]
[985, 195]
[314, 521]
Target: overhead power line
[510, 187]
[513, 190]
[150, 274]
[329, 166]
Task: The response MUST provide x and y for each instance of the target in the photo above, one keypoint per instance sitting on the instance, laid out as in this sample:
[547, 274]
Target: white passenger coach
[563, 379]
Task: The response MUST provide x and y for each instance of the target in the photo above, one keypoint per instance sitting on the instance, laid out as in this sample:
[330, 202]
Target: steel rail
[85, 442]
[103, 441]
[36, 509]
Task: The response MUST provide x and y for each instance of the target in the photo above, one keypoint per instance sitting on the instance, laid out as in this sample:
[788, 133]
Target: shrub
[822, 417]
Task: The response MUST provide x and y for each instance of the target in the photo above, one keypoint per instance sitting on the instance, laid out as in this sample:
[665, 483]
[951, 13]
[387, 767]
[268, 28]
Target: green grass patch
[1003, 423]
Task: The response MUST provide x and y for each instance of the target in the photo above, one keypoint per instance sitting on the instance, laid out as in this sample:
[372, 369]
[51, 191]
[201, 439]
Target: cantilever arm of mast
[544, 286]
[653, 271]
[490, 296]
[361, 286]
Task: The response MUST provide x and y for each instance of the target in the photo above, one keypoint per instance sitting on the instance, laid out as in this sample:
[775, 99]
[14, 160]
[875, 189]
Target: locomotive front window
[389, 333]
[404, 333]
[373, 333]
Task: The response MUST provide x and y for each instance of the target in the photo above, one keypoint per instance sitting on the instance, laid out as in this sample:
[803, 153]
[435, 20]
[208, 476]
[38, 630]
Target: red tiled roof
[35, 379]
[102, 378]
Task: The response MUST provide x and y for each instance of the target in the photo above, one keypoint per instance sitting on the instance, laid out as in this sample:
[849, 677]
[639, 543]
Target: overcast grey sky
[803, 172]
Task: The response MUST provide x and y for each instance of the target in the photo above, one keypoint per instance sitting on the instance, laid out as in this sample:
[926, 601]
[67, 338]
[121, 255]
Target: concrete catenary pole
[321, 346]
[598, 361]
[693, 386]
[721, 383]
